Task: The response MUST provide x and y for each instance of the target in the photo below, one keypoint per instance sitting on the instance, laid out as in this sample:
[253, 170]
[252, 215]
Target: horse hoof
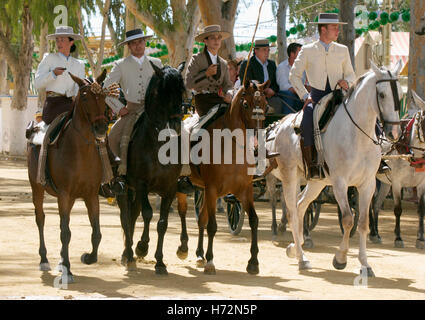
[209, 269]
[337, 265]
[398, 244]
[290, 250]
[253, 268]
[67, 279]
[182, 255]
[161, 270]
[304, 265]
[87, 259]
[200, 262]
[375, 239]
[420, 244]
[131, 266]
[308, 244]
[45, 266]
[369, 272]
[142, 250]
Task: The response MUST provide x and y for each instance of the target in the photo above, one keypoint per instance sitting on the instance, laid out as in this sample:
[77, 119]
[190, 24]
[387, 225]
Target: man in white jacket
[52, 74]
[326, 64]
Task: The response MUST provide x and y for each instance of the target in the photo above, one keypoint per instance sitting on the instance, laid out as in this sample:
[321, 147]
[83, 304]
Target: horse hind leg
[208, 217]
[142, 247]
[398, 242]
[271, 191]
[65, 204]
[37, 198]
[92, 204]
[127, 258]
[182, 250]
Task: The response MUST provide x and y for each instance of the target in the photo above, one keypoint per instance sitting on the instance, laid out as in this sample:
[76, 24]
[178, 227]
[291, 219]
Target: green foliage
[162, 12]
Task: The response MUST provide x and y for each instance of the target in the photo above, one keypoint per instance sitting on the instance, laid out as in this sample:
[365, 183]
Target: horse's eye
[382, 95]
[245, 105]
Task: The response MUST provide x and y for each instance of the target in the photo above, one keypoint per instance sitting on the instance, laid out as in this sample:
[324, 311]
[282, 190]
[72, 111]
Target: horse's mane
[356, 84]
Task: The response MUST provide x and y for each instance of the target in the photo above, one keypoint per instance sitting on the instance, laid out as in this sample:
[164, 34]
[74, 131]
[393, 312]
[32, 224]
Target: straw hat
[133, 35]
[328, 18]
[210, 30]
[64, 31]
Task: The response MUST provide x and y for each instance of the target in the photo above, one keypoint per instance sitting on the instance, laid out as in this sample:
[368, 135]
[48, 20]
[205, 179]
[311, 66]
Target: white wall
[13, 124]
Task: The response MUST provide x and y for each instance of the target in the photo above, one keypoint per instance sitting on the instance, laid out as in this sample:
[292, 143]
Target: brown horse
[221, 179]
[74, 166]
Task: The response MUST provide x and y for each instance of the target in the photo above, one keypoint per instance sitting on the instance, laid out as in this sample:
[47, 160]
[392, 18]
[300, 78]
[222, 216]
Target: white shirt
[213, 57]
[62, 84]
[264, 65]
[139, 60]
[282, 75]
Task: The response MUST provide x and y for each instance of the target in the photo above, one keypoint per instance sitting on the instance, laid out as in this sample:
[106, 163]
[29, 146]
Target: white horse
[351, 155]
[404, 175]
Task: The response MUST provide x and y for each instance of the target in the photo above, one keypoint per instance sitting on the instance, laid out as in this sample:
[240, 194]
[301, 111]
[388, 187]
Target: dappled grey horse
[351, 153]
[404, 175]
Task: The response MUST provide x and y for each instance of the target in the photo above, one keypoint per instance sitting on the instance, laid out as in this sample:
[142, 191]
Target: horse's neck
[80, 121]
[233, 119]
[361, 108]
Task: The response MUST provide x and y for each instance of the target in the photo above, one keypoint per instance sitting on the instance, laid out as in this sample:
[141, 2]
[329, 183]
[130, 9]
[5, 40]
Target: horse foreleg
[398, 242]
[208, 209]
[340, 189]
[271, 191]
[420, 241]
[307, 196]
[248, 205]
[92, 205]
[202, 223]
[162, 225]
[127, 258]
[142, 247]
[37, 199]
[365, 198]
[182, 250]
[65, 205]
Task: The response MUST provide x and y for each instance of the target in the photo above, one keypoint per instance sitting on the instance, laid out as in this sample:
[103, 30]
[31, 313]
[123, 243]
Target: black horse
[145, 173]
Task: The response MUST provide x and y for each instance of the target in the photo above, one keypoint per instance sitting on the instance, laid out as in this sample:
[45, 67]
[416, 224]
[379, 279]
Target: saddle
[196, 123]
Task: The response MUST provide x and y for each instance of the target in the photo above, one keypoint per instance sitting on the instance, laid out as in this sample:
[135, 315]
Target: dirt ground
[400, 273]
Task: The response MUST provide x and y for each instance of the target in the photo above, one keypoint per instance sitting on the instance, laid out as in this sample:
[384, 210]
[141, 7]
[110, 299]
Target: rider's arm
[44, 74]
[348, 70]
[296, 74]
[195, 76]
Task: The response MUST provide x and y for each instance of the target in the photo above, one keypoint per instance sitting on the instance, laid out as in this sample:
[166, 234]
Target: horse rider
[207, 73]
[133, 74]
[326, 64]
[52, 74]
[31, 127]
[261, 68]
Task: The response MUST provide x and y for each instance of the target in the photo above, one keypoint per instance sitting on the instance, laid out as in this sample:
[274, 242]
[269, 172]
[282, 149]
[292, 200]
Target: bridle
[257, 112]
[394, 90]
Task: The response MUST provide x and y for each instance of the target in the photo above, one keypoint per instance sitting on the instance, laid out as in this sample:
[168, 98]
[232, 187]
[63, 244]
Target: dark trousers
[307, 129]
[55, 106]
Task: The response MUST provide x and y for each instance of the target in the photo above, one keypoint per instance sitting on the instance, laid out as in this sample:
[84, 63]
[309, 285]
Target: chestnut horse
[221, 179]
[75, 169]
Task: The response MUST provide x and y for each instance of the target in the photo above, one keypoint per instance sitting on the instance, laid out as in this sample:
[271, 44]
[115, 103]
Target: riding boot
[117, 186]
[383, 168]
[313, 170]
[184, 185]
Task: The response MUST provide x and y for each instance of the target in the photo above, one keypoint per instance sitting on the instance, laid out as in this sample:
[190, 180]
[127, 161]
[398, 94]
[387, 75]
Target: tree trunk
[281, 31]
[416, 50]
[348, 34]
[222, 13]
[130, 24]
[3, 75]
[105, 11]
[42, 50]
[21, 70]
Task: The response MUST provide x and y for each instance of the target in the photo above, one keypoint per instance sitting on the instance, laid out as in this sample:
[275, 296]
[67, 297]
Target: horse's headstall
[112, 91]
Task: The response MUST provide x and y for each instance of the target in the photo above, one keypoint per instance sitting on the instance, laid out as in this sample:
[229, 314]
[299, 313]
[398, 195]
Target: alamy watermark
[227, 147]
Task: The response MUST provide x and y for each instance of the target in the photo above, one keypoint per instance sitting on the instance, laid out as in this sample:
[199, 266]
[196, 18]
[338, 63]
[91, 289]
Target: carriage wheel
[353, 200]
[199, 199]
[235, 217]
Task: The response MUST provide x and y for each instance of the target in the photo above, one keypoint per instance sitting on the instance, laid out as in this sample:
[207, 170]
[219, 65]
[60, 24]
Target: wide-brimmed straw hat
[328, 18]
[133, 35]
[64, 31]
[210, 30]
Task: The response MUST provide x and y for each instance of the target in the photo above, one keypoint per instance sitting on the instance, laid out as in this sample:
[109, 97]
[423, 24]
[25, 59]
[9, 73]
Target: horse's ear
[266, 84]
[418, 100]
[157, 70]
[102, 77]
[375, 69]
[79, 81]
[397, 68]
[181, 66]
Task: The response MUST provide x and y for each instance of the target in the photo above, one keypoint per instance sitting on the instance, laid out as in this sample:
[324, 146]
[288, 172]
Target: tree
[174, 21]
[282, 7]
[222, 13]
[416, 49]
[17, 46]
[347, 36]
